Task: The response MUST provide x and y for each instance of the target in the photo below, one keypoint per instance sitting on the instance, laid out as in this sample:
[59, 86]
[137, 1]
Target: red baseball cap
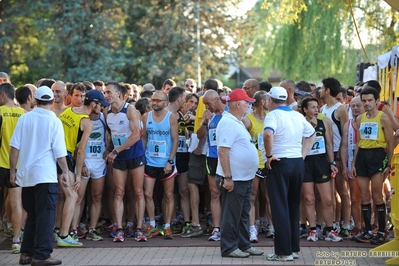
[239, 95]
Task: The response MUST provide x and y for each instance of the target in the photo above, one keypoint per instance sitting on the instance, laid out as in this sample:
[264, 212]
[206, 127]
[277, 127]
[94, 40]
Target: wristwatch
[115, 152]
[334, 163]
[171, 162]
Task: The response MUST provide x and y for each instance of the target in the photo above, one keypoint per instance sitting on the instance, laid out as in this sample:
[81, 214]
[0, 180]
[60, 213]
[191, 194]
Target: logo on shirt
[121, 122]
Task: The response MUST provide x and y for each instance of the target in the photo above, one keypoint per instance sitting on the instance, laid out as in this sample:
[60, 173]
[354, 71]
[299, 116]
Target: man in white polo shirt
[285, 153]
[38, 141]
[237, 165]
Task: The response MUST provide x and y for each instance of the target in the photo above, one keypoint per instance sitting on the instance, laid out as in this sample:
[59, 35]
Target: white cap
[278, 93]
[44, 93]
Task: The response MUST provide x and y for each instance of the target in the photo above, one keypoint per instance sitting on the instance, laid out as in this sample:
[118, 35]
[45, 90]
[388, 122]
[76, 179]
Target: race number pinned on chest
[118, 139]
[182, 144]
[319, 146]
[260, 141]
[369, 130]
[157, 148]
[94, 150]
[212, 137]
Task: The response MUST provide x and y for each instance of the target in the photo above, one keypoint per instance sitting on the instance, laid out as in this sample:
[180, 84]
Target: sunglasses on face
[157, 100]
[188, 85]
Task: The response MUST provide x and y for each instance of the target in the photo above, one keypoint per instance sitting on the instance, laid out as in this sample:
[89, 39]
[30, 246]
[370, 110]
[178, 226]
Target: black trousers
[284, 183]
[40, 203]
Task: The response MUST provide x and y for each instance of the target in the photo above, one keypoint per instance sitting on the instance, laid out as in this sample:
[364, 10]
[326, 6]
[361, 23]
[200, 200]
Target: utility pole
[198, 46]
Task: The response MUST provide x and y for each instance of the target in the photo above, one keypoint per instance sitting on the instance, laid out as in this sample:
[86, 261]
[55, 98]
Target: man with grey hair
[148, 87]
[190, 85]
[4, 78]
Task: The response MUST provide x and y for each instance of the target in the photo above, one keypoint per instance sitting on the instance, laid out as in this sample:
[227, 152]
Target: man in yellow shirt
[9, 115]
[372, 162]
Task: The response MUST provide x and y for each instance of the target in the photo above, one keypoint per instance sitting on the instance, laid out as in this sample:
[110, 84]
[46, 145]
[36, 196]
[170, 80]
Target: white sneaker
[275, 257]
[333, 236]
[312, 236]
[270, 231]
[215, 235]
[253, 236]
[295, 255]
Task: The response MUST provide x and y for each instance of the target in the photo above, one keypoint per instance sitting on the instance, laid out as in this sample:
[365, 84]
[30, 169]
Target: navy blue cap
[97, 96]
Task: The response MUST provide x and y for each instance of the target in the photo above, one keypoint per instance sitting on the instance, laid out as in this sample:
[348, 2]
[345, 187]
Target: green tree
[311, 39]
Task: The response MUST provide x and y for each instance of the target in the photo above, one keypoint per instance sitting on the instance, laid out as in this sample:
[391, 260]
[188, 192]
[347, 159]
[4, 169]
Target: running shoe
[270, 231]
[378, 239]
[320, 234]
[93, 235]
[119, 236]
[151, 232]
[253, 236]
[192, 231]
[365, 237]
[129, 231]
[74, 234]
[215, 235]
[333, 236]
[112, 231]
[81, 233]
[275, 257]
[312, 236]
[177, 228]
[208, 231]
[168, 234]
[56, 233]
[16, 247]
[344, 233]
[139, 236]
[68, 242]
[303, 233]
[185, 228]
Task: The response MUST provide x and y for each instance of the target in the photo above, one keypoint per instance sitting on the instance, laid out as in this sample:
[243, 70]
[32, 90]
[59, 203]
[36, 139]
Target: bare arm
[247, 123]
[307, 144]
[87, 127]
[64, 178]
[357, 145]
[202, 130]
[389, 113]
[14, 153]
[144, 136]
[224, 159]
[268, 139]
[174, 127]
[344, 151]
[388, 132]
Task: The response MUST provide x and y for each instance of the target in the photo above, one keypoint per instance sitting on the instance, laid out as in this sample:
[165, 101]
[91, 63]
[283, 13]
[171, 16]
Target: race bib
[182, 144]
[157, 148]
[94, 150]
[369, 130]
[118, 139]
[319, 146]
[212, 137]
[260, 141]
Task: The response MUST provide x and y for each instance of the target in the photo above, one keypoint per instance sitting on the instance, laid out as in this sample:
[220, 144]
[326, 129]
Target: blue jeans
[39, 202]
